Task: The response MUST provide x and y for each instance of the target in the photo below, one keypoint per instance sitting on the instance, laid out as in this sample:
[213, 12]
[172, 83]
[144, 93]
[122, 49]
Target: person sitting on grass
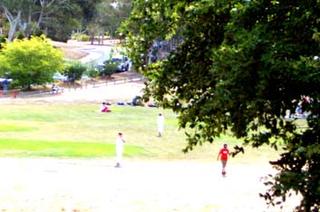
[104, 108]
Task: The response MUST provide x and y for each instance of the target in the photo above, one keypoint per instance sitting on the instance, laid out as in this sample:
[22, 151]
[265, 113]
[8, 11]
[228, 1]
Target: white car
[59, 77]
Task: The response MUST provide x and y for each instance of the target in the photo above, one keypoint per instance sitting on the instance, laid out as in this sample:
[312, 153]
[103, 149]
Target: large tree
[238, 66]
[57, 18]
[62, 19]
[13, 11]
[30, 61]
[109, 15]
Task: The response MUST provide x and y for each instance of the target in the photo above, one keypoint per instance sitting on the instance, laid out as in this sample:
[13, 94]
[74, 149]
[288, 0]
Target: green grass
[22, 148]
[79, 130]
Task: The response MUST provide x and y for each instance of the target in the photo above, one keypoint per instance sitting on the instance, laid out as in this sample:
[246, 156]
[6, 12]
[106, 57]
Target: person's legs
[160, 131]
[118, 158]
[224, 164]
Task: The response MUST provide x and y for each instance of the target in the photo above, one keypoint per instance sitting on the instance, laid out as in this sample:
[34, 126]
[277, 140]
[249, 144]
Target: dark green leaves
[239, 67]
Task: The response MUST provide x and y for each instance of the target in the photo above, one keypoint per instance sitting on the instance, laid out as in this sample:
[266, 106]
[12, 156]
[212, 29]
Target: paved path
[123, 88]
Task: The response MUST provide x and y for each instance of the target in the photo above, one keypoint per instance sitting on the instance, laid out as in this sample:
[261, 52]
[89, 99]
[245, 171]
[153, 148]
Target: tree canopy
[238, 66]
[30, 61]
[58, 19]
[31, 17]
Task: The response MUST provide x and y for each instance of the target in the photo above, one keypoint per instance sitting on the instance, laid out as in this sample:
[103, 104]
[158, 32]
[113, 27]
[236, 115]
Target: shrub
[74, 71]
[30, 61]
[80, 37]
[109, 68]
[20, 35]
[92, 72]
[2, 41]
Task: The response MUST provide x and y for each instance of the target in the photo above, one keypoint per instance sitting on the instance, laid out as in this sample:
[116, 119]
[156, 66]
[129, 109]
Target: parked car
[59, 77]
[123, 63]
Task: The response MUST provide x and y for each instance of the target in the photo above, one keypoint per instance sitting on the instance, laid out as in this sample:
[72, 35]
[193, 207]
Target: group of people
[120, 140]
[222, 155]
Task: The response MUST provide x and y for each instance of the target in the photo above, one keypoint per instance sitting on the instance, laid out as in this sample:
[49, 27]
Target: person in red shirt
[104, 108]
[223, 155]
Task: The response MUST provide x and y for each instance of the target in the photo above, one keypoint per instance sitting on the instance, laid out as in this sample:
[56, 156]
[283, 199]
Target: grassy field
[79, 130]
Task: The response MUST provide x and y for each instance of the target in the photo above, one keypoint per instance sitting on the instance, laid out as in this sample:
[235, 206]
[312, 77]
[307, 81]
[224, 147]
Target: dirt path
[123, 87]
[95, 185]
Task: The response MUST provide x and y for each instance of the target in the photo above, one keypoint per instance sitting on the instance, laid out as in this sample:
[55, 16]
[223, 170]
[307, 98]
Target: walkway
[53, 185]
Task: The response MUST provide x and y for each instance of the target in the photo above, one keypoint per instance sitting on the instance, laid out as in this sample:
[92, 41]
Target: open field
[56, 154]
[79, 130]
[59, 157]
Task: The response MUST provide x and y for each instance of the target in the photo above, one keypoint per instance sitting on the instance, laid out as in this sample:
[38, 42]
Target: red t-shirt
[224, 154]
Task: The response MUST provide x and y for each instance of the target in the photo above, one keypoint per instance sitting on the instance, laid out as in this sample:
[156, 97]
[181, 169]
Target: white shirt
[160, 123]
[119, 145]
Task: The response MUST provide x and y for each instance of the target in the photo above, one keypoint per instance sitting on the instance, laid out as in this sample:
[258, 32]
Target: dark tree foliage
[65, 18]
[88, 8]
[239, 67]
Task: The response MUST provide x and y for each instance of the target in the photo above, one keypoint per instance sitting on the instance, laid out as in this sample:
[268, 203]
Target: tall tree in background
[110, 14]
[88, 8]
[62, 19]
[13, 11]
[240, 65]
[58, 18]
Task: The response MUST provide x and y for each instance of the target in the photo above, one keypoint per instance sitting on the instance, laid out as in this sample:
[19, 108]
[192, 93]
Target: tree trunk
[92, 38]
[28, 30]
[13, 26]
[40, 18]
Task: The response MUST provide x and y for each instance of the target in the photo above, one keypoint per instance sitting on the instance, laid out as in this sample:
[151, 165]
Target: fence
[15, 93]
[9, 93]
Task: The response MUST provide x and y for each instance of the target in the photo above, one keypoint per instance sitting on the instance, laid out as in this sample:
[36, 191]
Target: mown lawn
[79, 130]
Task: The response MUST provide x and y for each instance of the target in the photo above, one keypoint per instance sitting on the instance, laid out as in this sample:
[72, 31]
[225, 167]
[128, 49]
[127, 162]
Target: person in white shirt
[119, 149]
[160, 124]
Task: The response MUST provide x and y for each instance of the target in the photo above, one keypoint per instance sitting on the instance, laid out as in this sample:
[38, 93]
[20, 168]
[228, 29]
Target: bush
[20, 35]
[2, 41]
[30, 61]
[92, 72]
[74, 71]
[80, 37]
[109, 68]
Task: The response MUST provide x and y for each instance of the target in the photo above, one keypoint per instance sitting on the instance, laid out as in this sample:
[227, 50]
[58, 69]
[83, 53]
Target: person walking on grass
[119, 149]
[160, 124]
[223, 155]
